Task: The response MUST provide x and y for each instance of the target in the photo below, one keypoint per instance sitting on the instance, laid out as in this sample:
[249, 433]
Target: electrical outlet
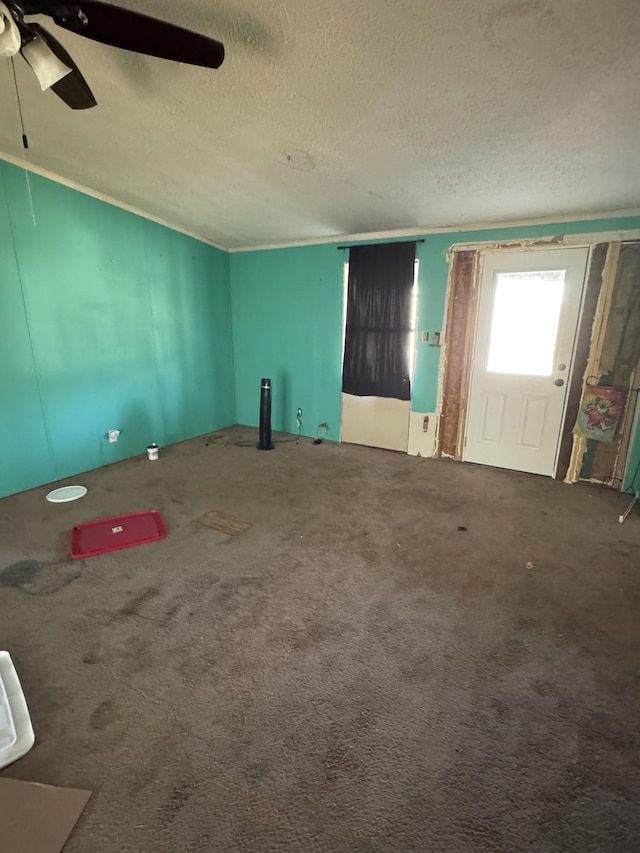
[425, 423]
[114, 435]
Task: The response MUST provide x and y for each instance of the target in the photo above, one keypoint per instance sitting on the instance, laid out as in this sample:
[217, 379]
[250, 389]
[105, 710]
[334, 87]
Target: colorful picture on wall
[600, 412]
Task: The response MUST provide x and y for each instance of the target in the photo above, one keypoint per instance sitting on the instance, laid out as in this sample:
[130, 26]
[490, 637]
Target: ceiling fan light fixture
[9, 33]
[45, 64]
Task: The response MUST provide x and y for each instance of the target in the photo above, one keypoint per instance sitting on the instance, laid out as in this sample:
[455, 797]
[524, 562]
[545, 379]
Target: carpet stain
[306, 636]
[256, 771]
[178, 798]
[130, 609]
[170, 615]
[420, 669]
[42, 577]
[339, 760]
[103, 715]
[134, 605]
[20, 573]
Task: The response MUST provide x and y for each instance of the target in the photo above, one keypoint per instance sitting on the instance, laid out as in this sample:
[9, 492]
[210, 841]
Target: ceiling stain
[301, 161]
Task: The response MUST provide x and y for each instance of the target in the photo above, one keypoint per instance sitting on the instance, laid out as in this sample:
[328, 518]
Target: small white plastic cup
[152, 452]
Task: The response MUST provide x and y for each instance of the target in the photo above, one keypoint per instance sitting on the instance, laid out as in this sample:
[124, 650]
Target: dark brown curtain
[376, 352]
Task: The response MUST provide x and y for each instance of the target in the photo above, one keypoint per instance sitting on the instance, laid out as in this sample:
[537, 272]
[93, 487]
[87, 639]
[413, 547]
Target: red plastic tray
[121, 531]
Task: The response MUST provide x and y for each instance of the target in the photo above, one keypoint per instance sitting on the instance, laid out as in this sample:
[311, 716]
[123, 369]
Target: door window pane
[524, 322]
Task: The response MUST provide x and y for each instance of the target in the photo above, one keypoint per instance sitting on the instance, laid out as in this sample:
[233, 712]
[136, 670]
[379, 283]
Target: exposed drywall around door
[460, 323]
[108, 321]
[287, 310]
[618, 366]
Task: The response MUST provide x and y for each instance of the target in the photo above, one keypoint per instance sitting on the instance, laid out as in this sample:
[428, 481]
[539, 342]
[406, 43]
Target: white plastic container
[152, 452]
[16, 731]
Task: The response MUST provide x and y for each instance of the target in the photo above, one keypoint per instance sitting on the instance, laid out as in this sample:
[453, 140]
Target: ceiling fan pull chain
[25, 141]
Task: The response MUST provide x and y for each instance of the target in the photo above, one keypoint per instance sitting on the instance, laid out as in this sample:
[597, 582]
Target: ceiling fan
[99, 21]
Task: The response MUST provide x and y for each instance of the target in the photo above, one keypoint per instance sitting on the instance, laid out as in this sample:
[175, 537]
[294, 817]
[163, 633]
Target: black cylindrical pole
[265, 415]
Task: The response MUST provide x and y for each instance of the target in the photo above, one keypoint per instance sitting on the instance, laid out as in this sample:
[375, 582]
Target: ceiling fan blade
[73, 89]
[136, 32]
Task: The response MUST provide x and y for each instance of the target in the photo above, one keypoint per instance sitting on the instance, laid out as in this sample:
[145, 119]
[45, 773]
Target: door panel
[532, 424]
[528, 310]
[492, 417]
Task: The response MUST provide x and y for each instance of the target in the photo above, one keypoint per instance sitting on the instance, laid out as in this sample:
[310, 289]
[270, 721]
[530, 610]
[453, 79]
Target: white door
[528, 311]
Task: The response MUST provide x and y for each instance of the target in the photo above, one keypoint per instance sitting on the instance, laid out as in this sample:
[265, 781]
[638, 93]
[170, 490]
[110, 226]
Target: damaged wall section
[610, 392]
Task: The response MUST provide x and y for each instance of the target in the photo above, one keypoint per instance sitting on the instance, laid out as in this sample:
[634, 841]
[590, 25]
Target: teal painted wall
[287, 309]
[107, 321]
[286, 306]
[632, 473]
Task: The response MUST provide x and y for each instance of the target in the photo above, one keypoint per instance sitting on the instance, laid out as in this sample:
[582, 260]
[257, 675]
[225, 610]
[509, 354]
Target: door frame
[459, 334]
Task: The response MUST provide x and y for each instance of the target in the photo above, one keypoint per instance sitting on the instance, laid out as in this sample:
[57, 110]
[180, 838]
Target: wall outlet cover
[114, 435]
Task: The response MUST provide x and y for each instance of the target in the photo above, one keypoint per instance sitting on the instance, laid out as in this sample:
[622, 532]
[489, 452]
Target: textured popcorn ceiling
[345, 116]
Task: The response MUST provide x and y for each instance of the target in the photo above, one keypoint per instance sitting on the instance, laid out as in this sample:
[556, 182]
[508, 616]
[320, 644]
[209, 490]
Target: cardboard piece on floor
[37, 818]
[228, 524]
